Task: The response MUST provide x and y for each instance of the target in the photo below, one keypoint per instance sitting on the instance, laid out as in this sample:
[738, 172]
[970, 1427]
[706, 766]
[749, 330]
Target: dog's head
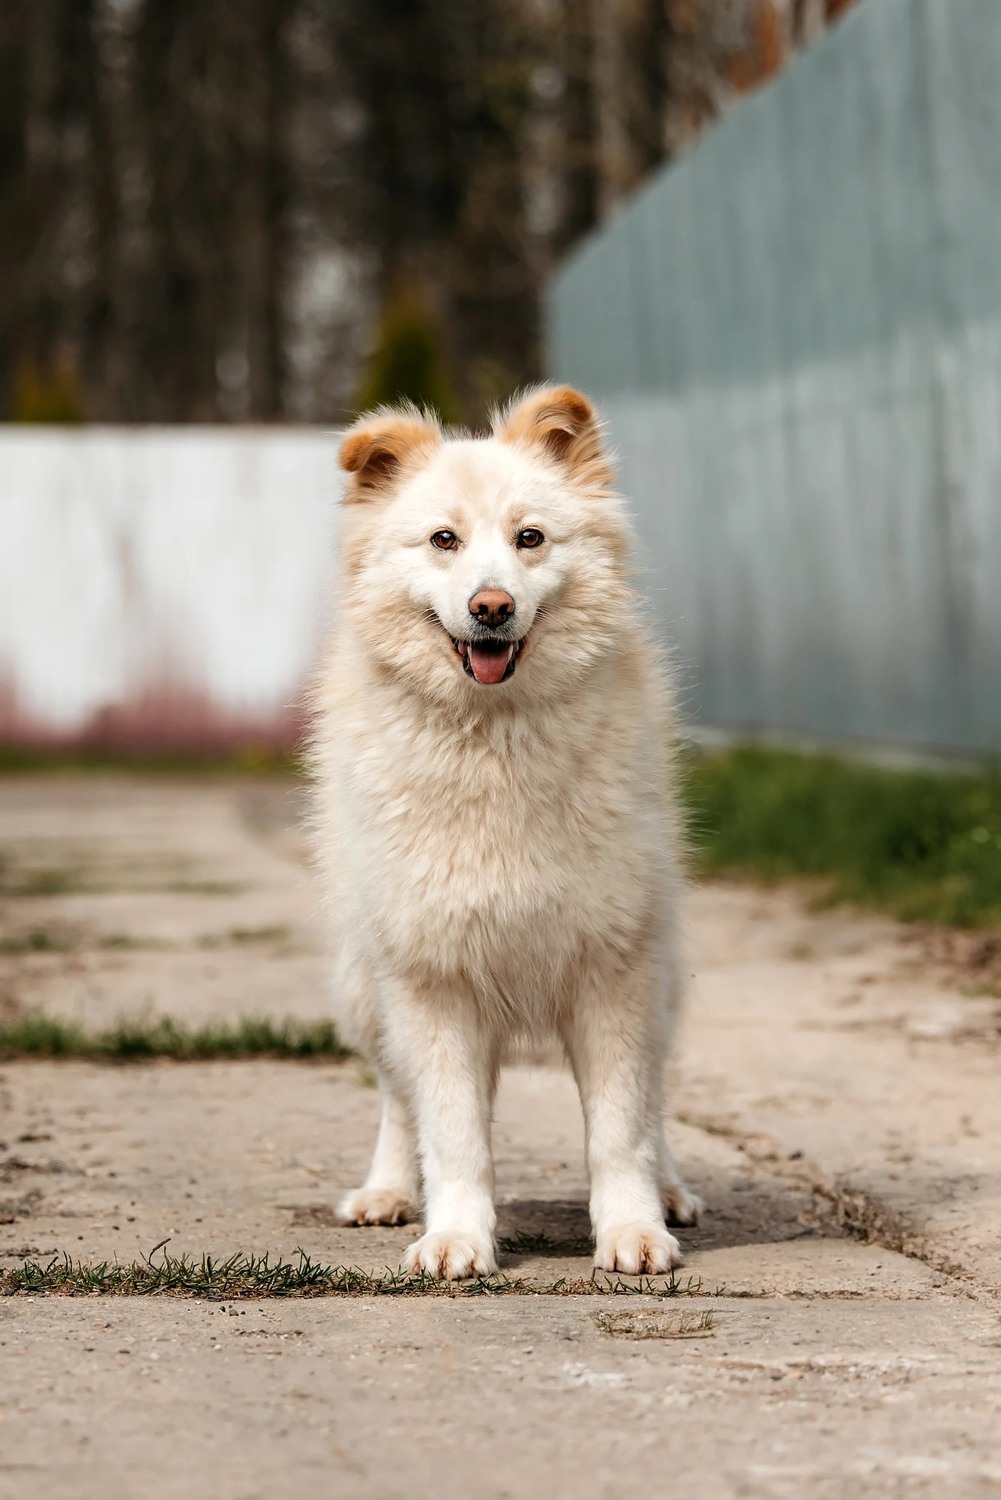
[486, 566]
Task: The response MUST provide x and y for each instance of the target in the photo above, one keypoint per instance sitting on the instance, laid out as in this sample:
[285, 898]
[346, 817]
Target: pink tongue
[488, 666]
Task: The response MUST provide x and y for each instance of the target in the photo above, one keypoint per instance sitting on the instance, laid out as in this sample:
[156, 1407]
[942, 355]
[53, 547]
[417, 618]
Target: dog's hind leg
[390, 1192]
[680, 1205]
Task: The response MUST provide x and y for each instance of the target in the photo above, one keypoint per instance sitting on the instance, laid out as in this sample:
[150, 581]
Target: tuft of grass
[259, 1276]
[39, 882]
[141, 1040]
[248, 759]
[919, 845]
[201, 887]
[44, 940]
[37, 941]
[66, 881]
[259, 934]
[126, 941]
[242, 937]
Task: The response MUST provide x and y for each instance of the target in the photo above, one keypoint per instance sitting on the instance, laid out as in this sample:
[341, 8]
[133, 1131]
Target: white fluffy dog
[494, 824]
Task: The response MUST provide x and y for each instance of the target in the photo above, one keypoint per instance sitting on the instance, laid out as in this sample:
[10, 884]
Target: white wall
[161, 585]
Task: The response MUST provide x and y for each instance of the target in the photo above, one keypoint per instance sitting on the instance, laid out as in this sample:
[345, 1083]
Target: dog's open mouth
[488, 661]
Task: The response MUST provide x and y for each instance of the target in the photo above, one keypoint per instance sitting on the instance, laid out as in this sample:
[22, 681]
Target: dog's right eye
[445, 541]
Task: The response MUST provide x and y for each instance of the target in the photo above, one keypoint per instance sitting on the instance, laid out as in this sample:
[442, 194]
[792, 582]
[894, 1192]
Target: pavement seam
[851, 1209]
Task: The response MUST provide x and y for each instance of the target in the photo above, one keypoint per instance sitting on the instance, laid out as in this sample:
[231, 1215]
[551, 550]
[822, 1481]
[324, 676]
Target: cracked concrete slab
[248, 1157]
[535, 1396]
[837, 1084]
[813, 1065]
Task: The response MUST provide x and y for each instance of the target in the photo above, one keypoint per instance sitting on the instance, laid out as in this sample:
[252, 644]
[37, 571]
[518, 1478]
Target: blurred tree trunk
[493, 267]
[442, 86]
[84, 106]
[641, 89]
[58, 308]
[578, 164]
[276, 198]
[21, 216]
[212, 92]
[185, 285]
[399, 74]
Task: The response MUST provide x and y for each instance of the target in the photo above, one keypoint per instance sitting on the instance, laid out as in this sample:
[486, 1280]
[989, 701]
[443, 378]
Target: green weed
[57, 881]
[253, 759]
[243, 937]
[140, 1040]
[37, 941]
[259, 1276]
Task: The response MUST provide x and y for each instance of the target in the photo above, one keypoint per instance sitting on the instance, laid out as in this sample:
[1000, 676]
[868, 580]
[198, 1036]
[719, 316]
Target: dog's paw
[451, 1255]
[369, 1205]
[681, 1206]
[637, 1249]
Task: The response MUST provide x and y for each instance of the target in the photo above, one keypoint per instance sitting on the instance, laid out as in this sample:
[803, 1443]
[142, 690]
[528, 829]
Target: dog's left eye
[530, 537]
[445, 541]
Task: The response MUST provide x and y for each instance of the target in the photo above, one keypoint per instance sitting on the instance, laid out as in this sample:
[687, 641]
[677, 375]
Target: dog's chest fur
[506, 851]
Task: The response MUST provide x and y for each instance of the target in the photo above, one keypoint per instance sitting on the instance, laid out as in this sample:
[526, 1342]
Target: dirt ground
[837, 1102]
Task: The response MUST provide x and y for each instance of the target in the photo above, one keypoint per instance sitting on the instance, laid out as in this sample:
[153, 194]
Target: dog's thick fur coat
[493, 821]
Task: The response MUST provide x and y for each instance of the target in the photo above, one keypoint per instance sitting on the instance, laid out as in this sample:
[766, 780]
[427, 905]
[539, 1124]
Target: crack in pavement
[850, 1209]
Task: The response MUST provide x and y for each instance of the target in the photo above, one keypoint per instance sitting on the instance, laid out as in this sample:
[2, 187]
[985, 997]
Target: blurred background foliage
[408, 360]
[47, 393]
[270, 210]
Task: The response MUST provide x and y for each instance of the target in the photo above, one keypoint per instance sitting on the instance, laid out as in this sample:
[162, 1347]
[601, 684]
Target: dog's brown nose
[491, 606]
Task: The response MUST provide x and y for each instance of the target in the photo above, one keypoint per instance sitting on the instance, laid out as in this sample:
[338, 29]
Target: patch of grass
[254, 759]
[919, 845]
[259, 935]
[20, 875]
[141, 1040]
[259, 1276]
[125, 941]
[36, 941]
[44, 940]
[246, 937]
[984, 989]
[201, 888]
[58, 881]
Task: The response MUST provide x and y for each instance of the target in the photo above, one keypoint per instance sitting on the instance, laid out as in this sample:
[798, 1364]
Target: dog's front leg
[614, 1039]
[438, 1046]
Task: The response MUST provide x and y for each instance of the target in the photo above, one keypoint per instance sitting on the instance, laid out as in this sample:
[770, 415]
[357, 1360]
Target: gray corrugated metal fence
[796, 336]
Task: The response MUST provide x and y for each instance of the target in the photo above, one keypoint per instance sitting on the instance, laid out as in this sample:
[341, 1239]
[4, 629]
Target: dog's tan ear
[563, 425]
[380, 445]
